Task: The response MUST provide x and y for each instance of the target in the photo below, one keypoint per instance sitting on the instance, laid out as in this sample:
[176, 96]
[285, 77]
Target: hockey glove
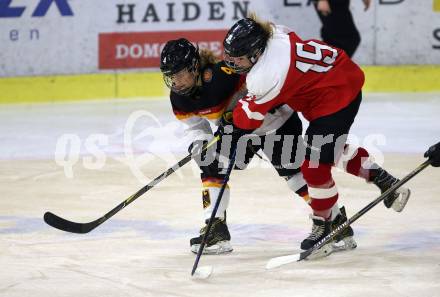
[226, 126]
[433, 154]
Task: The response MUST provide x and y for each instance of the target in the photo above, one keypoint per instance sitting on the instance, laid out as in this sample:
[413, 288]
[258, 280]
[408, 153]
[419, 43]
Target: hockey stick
[279, 261]
[214, 211]
[69, 226]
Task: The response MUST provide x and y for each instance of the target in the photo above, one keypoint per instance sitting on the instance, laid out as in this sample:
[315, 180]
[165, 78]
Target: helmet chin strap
[195, 70]
[254, 58]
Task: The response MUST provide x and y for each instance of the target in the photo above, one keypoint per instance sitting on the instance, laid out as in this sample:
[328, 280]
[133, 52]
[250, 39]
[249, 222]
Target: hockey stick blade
[283, 260]
[69, 226]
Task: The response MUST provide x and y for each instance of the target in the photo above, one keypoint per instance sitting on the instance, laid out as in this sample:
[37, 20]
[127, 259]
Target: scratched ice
[144, 249]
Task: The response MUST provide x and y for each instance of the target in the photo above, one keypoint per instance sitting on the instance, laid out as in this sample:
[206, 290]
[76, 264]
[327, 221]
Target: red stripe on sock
[354, 166]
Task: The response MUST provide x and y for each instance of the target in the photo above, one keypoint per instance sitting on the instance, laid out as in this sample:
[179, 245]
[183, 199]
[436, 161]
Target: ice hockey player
[322, 83]
[203, 90]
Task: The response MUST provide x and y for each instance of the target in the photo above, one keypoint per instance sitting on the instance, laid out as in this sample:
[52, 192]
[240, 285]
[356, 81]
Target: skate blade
[221, 247]
[324, 251]
[345, 244]
[400, 203]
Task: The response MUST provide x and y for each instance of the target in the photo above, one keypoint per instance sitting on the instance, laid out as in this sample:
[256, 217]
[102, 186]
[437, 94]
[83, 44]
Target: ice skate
[344, 240]
[218, 241]
[320, 229]
[396, 200]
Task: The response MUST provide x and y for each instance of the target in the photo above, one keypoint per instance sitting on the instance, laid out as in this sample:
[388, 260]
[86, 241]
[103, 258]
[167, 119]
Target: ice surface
[407, 123]
[144, 249]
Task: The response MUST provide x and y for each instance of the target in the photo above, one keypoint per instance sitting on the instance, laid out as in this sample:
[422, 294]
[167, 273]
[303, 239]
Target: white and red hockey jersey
[309, 76]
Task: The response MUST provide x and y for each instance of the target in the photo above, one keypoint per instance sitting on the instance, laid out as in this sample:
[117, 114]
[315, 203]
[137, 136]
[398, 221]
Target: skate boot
[344, 240]
[396, 200]
[218, 241]
[320, 229]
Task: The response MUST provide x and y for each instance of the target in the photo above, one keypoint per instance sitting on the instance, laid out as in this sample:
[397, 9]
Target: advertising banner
[142, 49]
[50, 37]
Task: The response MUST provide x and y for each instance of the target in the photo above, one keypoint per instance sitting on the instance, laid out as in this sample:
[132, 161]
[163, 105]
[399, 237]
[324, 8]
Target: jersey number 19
[315, 55]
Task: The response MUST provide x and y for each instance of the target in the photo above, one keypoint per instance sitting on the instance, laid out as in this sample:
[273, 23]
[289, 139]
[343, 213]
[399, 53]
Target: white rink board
[405, 32]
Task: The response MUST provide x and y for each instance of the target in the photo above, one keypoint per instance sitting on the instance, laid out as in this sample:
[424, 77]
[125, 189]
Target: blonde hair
[207, 57]
[265, 25]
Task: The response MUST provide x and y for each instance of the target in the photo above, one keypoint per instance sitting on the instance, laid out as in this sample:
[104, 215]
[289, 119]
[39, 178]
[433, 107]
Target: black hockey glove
[226, 126]
[433, 154]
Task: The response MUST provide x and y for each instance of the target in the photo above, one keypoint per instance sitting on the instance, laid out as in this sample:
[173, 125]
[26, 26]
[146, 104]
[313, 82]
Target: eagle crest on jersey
[207, 75]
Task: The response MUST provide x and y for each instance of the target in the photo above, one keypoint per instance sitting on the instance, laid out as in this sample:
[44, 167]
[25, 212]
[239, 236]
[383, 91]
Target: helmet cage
[170, 77]
[253, 58]
[178, 56]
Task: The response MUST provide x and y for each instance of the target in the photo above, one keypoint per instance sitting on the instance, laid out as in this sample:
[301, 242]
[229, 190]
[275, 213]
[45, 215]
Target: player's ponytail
[265, 25]
[207, 57]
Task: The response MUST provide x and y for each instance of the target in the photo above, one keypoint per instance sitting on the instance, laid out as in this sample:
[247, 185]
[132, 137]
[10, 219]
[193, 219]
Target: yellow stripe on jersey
[212, 184]
[307, 198]
[209, 116]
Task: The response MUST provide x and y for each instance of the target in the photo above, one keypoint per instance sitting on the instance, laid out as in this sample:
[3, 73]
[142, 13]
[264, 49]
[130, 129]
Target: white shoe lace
[317, 230]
